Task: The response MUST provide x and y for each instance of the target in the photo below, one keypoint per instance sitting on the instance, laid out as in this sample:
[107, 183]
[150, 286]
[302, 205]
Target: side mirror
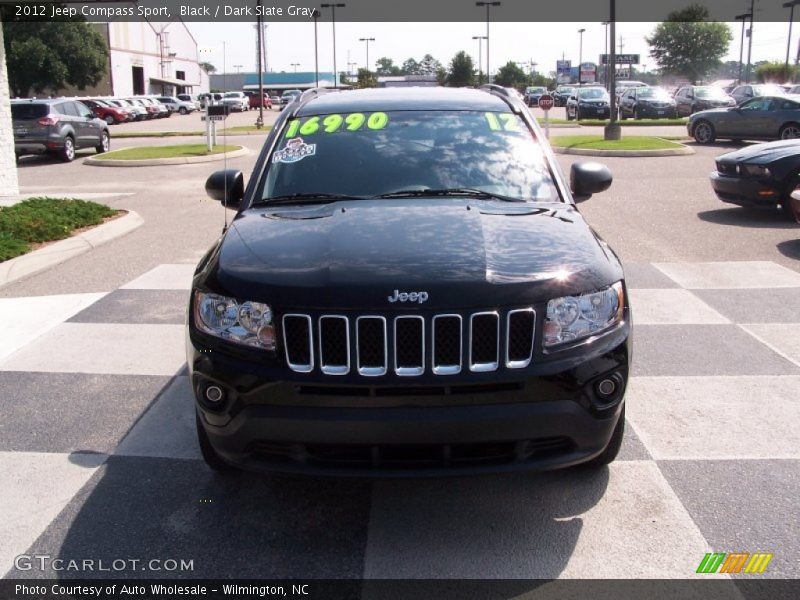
[587, 178]
[227, 187]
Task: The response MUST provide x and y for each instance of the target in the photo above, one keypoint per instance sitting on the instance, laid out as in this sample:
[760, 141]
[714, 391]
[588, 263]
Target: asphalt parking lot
[100, 460]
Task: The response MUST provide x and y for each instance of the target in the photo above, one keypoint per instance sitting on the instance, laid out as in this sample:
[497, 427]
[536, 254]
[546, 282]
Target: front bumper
[585, 112]
[745, 191]
[653, 112]
[544, 417]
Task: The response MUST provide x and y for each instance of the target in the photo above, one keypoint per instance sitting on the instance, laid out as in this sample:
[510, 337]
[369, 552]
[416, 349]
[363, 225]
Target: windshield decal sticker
[502, 121]
[333, 123]
[295, 150]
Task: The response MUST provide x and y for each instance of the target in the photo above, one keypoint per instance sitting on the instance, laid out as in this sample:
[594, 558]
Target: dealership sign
[620, 59]
[563, 67]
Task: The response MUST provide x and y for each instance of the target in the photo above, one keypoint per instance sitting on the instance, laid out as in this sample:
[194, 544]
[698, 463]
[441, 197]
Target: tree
[366, 79]
[208, 67]
[410, 67]
[49, 55]
[510, 75]
[462, 71]
[775, 72]
[429, 65]
[385, 66]
[687, 45]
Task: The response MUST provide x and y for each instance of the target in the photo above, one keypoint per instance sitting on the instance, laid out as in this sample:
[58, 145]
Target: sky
[543, 43]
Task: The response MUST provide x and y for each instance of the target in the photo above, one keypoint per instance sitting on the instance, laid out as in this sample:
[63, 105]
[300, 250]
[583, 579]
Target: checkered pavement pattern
[99, 459]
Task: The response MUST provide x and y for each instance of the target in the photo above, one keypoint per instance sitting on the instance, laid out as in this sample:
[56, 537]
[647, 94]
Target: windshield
[710, 92]
[371, 154]
[28, 111]
[536, 90]
[653, 93]
[233, 95]
[592, 94]
[768, 90]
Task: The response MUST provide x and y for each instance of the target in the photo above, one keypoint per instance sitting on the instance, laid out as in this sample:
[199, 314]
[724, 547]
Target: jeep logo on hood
[399, 296]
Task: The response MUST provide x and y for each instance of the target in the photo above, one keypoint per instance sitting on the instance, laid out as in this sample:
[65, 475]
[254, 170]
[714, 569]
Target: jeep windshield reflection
[373, 154]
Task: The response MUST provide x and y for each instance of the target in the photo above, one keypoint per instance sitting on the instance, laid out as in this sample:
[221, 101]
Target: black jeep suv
[408, 288]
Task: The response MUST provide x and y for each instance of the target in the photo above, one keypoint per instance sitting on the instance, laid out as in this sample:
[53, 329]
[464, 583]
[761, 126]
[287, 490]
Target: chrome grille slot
[371, 347]
[446, 344]
[297, 341]
[484, 342]
[519, 337]
[334, 345]
[409, 345]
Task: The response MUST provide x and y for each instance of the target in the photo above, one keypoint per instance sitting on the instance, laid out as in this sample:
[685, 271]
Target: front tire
[210, 456]
[704, 133]
[105, 143]
[109, 119]
[607, 456]
[786, 209]
[790, 131]
[67, 153]
[636, 114]
[183, 110]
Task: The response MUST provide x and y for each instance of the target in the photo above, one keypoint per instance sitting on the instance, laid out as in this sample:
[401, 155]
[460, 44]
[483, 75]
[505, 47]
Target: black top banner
[381, 10]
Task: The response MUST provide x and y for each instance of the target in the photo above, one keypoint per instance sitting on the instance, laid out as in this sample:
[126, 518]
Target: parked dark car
[57, 126]
[533, 93]
[763, 118]
[694, 98]
[112, 115]
[442, 309]
[589, 103]
[562, 94]
[646, 103]
[761, 175]
[743, 93]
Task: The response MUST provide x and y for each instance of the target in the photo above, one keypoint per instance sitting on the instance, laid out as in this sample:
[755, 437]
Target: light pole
[605, 24]
[367, 40]
[480, 39]
[488, 5]
[295, 65]
[333, 8]
[790, 6]
[238, 68]
[612, 131]
[580, 52]
[750, 41]
[260, 120]
[315, 15]
[743, 18]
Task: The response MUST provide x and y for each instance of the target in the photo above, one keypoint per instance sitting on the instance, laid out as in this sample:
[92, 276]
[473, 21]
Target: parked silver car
[177, 105]
[762, 118]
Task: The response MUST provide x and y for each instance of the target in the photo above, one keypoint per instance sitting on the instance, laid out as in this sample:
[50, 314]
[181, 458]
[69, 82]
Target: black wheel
[182, 110]
[109, 119]
[790, 131]
[636, 114]
[622, 115]
[105, 143]
[607, 456]
[786, 209]
[67, 153]
[704, 132]
[210, 455]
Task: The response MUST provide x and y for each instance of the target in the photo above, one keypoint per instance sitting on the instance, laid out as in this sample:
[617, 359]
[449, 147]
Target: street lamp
[743, 18]
[790, 6]
[367, 40]
[750, 41]
[488, 5]
[605, 24]
[238, 68]
[580, 53]
[480, 39]
[333, 8]
[295, 65]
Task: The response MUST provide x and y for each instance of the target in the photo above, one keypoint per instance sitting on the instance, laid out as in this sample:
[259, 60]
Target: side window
[789, 105]
[83, 110]
[69, 108]
[757, 104]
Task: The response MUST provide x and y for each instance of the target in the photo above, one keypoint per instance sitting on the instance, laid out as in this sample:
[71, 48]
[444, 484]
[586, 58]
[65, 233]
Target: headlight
[759, 171]
[248, 323]
[572, 318]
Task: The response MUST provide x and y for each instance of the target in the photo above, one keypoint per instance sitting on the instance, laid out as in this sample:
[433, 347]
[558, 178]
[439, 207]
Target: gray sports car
[763, 118]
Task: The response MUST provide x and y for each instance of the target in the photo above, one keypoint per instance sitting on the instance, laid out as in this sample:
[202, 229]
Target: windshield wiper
[450, 192]
[306, 198]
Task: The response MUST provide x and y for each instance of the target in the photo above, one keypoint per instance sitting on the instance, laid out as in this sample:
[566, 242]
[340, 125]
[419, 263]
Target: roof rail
[305, 97]
[493, 87]
[504, 94]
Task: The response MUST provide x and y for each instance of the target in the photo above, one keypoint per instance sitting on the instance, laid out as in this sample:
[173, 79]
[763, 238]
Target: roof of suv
[408, 98]
[41, 100]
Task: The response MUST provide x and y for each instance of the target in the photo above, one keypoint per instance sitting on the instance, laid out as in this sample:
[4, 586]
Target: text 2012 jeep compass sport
[407, 288]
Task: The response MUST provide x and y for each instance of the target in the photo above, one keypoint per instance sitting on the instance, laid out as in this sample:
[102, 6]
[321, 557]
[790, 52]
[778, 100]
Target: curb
[152, 162]
[62, 250]
[682, 151]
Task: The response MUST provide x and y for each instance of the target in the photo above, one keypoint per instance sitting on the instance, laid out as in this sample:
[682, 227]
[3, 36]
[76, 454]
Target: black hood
[463, 254]
[763, 153]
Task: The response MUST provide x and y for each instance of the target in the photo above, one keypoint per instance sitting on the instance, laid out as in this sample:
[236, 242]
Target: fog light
[609, 388]
[214, 394]
[606, 387]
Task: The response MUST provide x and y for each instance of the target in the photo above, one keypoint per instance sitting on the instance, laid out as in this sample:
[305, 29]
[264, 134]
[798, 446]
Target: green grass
[163, 134]
[181, 150]
[596, 142]
[43, 219]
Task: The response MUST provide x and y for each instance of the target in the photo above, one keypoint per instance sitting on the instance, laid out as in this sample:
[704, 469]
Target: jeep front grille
[409, 345]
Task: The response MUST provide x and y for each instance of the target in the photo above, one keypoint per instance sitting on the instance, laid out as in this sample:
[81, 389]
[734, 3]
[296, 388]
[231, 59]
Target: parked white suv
[176, 105]
[236, 101]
